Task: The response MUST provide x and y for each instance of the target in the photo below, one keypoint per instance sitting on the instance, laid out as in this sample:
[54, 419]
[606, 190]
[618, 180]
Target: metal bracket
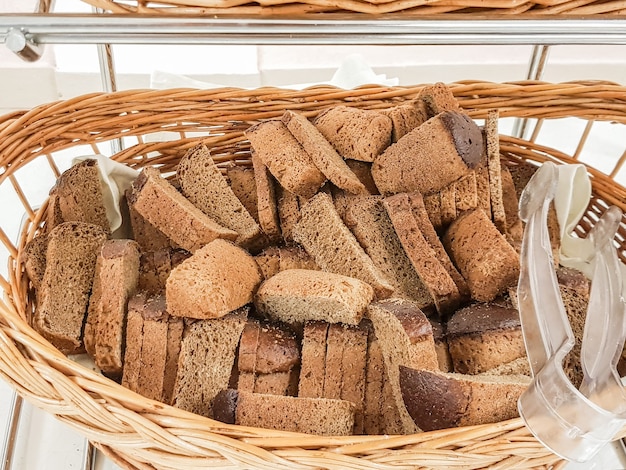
[25, 47]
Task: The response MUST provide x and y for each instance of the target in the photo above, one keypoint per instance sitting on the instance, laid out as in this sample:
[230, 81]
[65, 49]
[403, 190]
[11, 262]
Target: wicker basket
[416, 8]
[157, 127]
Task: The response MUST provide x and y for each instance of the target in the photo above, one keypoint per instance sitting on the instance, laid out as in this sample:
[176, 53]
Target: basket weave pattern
[412, 7]
[143, 434]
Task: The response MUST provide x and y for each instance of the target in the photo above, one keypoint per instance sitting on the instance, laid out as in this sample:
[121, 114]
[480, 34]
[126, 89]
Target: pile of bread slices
[358, 279]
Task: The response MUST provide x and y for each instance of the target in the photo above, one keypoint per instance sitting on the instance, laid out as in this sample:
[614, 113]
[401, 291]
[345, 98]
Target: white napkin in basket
[572, 198]
[115, 179]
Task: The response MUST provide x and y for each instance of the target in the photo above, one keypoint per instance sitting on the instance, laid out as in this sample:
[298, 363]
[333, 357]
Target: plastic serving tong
[574, 424]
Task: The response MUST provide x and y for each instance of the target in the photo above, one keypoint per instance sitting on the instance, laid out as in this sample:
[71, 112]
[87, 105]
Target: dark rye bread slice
[285, 158]
[207, 357]
[313, 359]
[115, 281]
[318, 416]
[441, 345]
[54, 215]
[489, 264]
[169, 211]
[447, 204]
[153, 341]
[147, 235]
[406, 117]
[406, 338]
[66, 285]
[218, 278]
[300, 295]
[268, 355]
[334, 248]
[33, 257]
[356, 134]
[368, 220]
[492, 139]
[324, 156]
[266, 199]
[288, 206]
[79, 193]
[202, 182]
[450, 142]
[345, 368]
[155, 267]
[513, 224]
[483, 336]
[363, 171]
[438, 98]
[465, 192]
[439, 400]
[375, 378]
[420, 213]
[243, 184]
[437, 280]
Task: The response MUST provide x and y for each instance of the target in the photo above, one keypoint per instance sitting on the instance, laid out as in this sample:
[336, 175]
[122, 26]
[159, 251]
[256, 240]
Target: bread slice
[153, 341]
[334, 248]
[450, 142]
[406, 338]
[356, 134]
[519, 366]
[307, 415]
[299, 295]
[420, 214]
[155, 267]
[483, 336]
[368, 220]
[483, 195]
[432, 204]
[268, 354]
[441, 345]
[202, 182]
[438, 400]
[288, 212]
[33, 257]
[285, 158]
[438, 98]
[375, 378]
[144, 233]
[447, 204]
[363, 171]
[275, 259]
[218, 278]
[406, 117]
[243, 184]
[66, 285]
[54, 216]
[465, 192]
[498, 213]
[486, 260]
[169, 211]
[79, 192]
[207, 357]
[441, 287]
[266, 199]
[514, 226]
[345, 369]
[116, 279]
[313, 362]
[324, 156]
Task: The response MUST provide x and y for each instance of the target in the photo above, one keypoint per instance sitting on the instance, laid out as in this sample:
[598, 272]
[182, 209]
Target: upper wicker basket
[419, 8]
[157, 127]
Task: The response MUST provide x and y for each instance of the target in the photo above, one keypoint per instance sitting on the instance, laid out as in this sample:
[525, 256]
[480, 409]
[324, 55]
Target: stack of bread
[359, 278]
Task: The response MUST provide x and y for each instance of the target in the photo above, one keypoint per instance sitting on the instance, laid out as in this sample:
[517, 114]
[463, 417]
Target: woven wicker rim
[466, 8]
[138, 433]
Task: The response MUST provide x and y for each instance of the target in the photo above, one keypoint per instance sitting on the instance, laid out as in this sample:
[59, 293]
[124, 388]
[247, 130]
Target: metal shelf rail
[329, 29]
